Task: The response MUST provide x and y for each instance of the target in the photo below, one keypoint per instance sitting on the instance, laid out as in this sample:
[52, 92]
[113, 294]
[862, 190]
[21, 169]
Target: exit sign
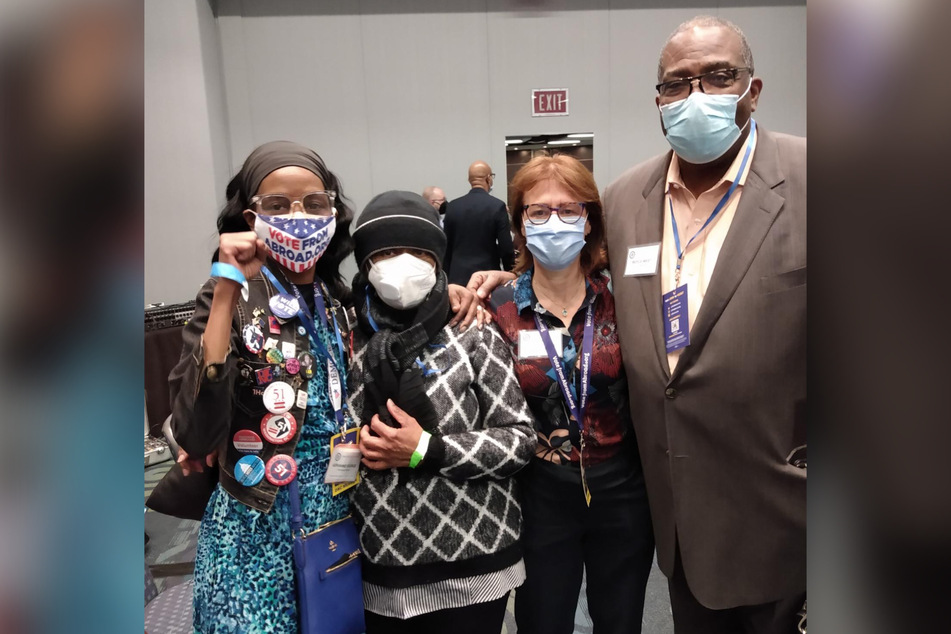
[550, 102]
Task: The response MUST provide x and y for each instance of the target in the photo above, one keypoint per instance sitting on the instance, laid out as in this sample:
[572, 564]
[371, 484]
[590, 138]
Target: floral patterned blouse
[607, 417]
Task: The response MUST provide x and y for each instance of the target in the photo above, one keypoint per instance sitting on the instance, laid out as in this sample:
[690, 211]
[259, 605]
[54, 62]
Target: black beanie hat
[398, 220]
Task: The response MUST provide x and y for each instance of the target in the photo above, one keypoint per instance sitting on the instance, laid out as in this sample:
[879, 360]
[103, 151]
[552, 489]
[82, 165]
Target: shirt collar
[673, 172]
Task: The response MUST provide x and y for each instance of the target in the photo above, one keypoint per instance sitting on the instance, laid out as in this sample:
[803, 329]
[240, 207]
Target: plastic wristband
[231, 272]
[421, 448]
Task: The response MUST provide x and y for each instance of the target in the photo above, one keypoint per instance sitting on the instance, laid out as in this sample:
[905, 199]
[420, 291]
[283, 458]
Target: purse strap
[297, 521]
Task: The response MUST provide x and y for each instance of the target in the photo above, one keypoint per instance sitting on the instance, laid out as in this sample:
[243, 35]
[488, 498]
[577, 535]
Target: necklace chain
[564, 306]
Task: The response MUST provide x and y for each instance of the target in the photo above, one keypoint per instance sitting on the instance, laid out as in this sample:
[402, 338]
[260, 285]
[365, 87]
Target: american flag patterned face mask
[296, 241]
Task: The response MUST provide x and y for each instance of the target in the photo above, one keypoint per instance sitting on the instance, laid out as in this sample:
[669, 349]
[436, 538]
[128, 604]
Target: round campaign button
[292, 365]
[301, 331]
[284, 305]
[274, 356]
[249, 470]
[281, 469]
[307, 362]
[246, 441]
[253, 338]
[278, 397]
[278, 428]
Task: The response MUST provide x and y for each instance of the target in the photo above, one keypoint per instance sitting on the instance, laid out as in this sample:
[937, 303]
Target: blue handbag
[329, 583]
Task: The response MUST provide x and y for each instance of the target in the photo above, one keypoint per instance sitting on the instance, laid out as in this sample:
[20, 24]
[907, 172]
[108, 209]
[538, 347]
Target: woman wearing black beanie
[444, 427]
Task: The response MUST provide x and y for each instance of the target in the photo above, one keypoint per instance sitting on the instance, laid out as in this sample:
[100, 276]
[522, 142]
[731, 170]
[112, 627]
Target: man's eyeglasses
[568, 212]
[313, 204]
[716, 81]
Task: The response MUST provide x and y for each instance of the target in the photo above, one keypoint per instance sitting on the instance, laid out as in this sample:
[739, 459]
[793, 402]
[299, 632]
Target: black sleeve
[202, 401]
[503, 233]
[449, 227]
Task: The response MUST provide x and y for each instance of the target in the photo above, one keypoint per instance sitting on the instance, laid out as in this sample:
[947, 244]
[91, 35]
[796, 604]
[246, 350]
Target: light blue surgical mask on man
[556, 243]
[702, 127]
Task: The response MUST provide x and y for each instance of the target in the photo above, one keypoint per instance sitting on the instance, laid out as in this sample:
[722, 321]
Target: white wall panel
[186, 147]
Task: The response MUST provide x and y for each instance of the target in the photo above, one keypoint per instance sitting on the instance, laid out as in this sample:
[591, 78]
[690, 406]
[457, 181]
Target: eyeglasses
[716, 81]
[568, 212]
[312, 204]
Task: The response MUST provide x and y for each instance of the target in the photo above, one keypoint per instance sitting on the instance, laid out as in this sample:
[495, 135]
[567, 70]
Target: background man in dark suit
[477, 229]
[708, 253]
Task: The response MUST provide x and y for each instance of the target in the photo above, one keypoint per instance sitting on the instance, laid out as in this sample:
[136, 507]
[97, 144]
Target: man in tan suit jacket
[721, 422]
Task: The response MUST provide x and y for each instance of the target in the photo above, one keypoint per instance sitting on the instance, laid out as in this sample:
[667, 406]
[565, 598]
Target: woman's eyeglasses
[313, 204]
[539, 214]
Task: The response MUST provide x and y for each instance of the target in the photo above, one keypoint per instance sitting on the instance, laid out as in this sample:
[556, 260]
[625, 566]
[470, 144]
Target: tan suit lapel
[755, 214]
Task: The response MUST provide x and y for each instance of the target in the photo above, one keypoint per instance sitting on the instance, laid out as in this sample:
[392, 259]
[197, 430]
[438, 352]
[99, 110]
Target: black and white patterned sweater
[457, 515]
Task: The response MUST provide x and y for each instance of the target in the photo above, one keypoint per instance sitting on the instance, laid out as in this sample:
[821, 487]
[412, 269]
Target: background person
[478, 233]
[437, 198]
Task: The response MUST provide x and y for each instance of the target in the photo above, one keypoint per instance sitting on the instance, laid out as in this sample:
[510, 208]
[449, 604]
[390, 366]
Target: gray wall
[187, 146]
[406, 93]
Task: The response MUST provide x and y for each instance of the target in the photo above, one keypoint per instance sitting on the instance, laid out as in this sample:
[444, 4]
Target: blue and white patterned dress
[244, 564]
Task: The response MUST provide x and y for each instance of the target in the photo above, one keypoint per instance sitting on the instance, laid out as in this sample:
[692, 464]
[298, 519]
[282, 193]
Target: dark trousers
[611, 541]
[478, 618]
[691, 617]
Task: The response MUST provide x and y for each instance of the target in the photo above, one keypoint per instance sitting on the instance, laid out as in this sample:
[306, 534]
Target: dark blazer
[478, 236]
[716, 435]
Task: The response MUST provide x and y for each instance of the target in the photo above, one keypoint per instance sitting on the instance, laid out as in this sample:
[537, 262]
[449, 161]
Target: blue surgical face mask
[556, 243]
[702, 127]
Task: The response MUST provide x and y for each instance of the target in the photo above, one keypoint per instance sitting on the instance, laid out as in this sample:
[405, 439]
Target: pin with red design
[246, 441]
[278, 397]
[280, 470]
[265, 375]
[277, 429]
[273, 325]
[253, 338]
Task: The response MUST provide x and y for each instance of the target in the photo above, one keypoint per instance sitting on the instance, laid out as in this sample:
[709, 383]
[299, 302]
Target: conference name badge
[343, 472]
[642, 260]
[676, 322]
[531, 346]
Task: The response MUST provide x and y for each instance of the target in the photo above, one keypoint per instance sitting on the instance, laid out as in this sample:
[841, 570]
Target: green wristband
[420, 451]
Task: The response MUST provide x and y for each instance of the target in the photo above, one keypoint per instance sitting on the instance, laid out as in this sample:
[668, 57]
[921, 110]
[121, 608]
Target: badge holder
[343, 473]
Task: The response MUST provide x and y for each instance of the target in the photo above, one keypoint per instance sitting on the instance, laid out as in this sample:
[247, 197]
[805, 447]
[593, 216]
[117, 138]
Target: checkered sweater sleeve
[498, 438]
[485, 427]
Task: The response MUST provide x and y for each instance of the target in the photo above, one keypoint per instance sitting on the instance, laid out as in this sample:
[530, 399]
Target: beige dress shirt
[700, 258]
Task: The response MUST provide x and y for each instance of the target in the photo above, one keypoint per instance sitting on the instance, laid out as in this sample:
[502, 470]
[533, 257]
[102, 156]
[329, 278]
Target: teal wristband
[420, 451]
[229, 272]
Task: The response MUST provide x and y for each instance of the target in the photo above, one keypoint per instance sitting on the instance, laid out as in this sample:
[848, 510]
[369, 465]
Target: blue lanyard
[303, 313]
[716, 210]
[419, 363]
[577, 407]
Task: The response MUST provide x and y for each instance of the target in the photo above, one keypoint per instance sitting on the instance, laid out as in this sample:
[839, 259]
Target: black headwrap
[275, 155]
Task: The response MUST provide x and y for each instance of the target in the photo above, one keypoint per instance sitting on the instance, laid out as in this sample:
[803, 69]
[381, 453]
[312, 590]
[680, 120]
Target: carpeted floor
[170, 552]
